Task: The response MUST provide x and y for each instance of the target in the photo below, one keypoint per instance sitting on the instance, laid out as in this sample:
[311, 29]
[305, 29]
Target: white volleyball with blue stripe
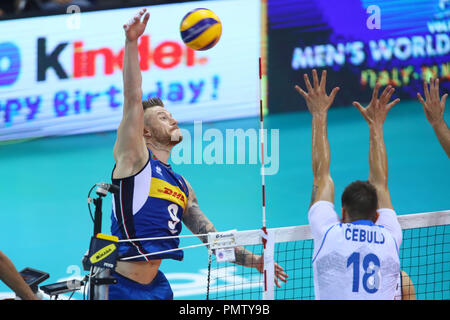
[201, 29]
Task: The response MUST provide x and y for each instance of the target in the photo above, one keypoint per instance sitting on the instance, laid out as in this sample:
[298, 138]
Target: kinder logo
[9, 63]
[165, 55]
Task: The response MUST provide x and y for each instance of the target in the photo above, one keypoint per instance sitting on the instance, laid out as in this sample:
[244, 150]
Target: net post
[101, 291]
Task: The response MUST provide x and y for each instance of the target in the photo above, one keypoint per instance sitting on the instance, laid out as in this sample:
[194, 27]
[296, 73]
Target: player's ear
[376, 217]
[344, 215]
[147, 133]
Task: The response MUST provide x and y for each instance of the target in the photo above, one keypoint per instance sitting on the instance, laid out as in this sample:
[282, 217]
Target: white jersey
[357, 260]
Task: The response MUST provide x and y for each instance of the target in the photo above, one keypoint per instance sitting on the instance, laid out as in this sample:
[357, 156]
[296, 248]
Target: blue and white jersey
[357, 260]
[150, 204]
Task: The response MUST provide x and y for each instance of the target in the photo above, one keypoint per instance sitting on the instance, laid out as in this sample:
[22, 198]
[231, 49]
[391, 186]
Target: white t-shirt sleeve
[388, 219]
[321, 217]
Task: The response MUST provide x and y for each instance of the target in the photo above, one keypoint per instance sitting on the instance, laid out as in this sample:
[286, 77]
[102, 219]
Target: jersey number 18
[371, 277]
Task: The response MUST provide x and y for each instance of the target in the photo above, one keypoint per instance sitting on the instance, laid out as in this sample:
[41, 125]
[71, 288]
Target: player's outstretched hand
[375, 113]
[317, 100]
[280, 275]
[135, 27]
[279, 271]
[433, 105]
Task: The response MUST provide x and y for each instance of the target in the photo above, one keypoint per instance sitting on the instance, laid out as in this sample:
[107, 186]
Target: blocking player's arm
[434, 111]
[442, 132]
[375, 115]
[408, 290]
[198, 223]
[129, 150]
[378, 166]
[323, 186]
[318, 103]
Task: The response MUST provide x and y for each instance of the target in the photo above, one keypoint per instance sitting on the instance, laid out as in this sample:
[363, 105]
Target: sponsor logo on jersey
[164, 190]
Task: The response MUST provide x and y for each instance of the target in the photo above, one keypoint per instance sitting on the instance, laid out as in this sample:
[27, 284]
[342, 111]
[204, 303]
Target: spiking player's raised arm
[130, 151]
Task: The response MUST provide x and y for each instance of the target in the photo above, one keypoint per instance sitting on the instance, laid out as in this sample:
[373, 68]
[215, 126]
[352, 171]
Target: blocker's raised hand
[317, 100]
[434, 108]
[376, 111]
[433, 105]
[135, 27]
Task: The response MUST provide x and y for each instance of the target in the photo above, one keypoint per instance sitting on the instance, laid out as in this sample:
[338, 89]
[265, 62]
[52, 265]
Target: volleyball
[200, 29]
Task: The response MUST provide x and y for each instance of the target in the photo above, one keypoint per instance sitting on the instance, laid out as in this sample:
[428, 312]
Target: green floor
[44, 185]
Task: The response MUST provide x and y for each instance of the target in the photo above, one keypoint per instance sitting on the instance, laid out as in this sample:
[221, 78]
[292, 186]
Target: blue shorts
[127, 289]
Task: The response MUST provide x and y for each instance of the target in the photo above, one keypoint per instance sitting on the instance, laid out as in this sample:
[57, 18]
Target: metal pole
[101, 290]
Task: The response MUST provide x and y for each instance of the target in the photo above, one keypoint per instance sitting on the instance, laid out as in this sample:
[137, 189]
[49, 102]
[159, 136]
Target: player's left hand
[317, 100]
[433, 105]
[375, 113]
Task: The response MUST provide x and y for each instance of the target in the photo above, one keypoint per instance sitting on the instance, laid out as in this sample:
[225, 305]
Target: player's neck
[162, 153]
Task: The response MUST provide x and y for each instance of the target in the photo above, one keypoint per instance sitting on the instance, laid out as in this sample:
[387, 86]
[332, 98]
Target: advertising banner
[359, 43]
[62, 74]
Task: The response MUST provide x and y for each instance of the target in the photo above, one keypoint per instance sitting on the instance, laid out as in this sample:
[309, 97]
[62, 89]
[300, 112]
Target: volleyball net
[424, 256]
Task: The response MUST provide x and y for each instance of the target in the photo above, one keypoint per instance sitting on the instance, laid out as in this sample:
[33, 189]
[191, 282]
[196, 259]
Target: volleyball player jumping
[153, 199]
[353, 258]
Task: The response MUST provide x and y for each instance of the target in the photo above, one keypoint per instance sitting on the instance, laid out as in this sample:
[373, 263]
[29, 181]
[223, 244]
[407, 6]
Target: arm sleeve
[321, 217]
[388, 219]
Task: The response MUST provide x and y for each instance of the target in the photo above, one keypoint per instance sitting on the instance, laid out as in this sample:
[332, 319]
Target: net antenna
[267, 237]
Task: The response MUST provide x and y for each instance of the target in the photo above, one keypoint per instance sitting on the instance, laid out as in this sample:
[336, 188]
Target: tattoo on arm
[195, 219]
[198, 223]
[313, 195]
[244, 257]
